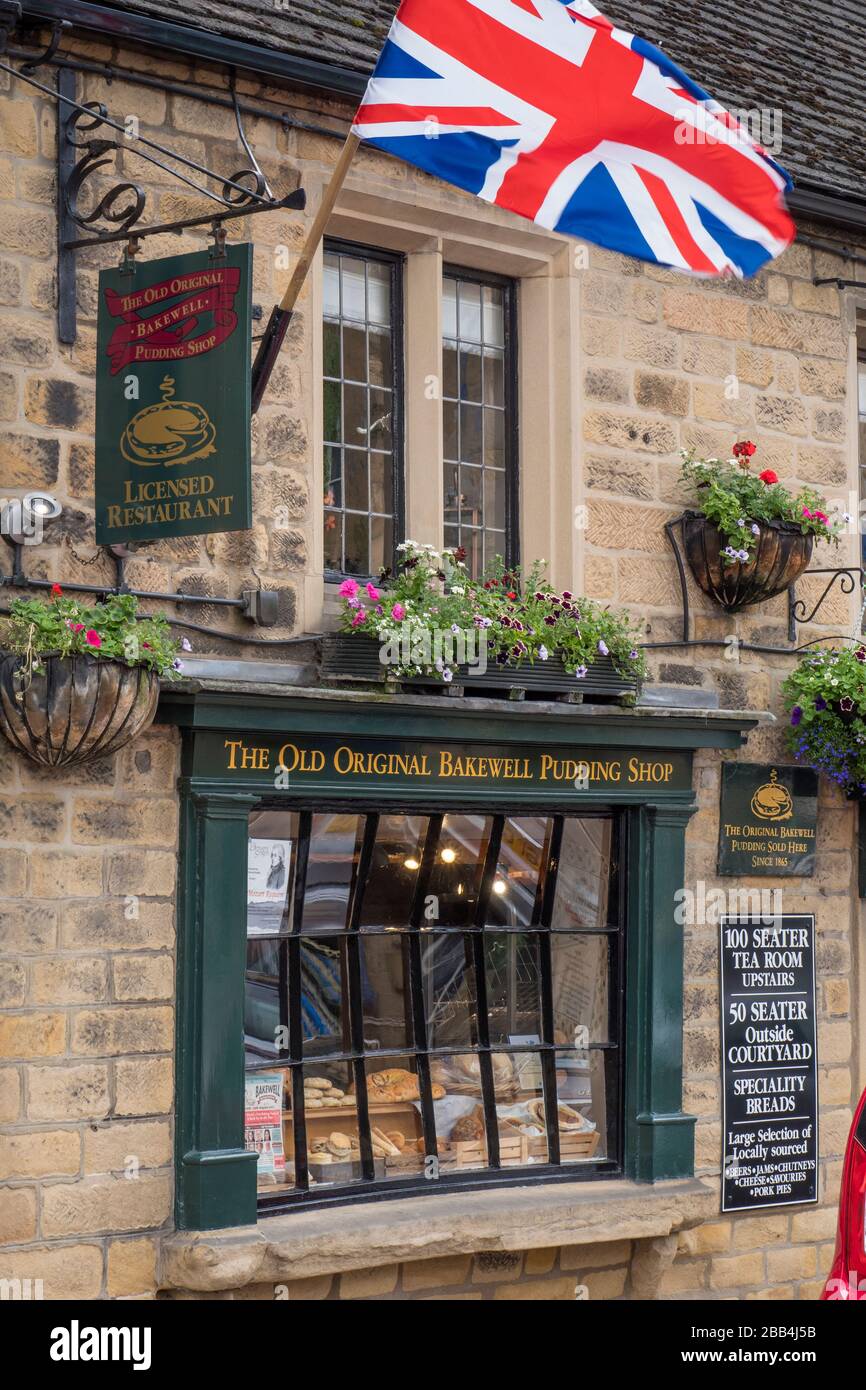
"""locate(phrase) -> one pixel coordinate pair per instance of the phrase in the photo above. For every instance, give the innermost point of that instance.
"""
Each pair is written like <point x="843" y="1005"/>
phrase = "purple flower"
<point x="796" y="716"/>
<point x="756" y="530"/>
<point x="633" y="654"/>
<point x="543" y="653"/>
<point x="580" y="672"/>
<point x="447" y="675"/>
<point x="820" y="703"/>
<point x="846" y="704"/>
<point x="186" y="644"/>
<point x="550" y="620"/>
<point x="177" y="664"/>
<point x="603" y="648"/>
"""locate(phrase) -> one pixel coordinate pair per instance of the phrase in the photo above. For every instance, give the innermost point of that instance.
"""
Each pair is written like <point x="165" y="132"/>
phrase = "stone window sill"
<point x="302" y="1245"/>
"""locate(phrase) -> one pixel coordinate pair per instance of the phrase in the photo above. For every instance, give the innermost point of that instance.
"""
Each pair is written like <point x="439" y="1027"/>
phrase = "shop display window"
<point x="431" y="997"/>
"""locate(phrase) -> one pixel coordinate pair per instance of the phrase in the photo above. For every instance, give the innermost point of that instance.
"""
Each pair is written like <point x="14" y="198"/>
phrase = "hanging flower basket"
<point x="749" y="538"/>
<point x="780" y="555"/>
<point x="78" y="683"/>
<point x="825" y="696"/>
<point x="77" y="709"/>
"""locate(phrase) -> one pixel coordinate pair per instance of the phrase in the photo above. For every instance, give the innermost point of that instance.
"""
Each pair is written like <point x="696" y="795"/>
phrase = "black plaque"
<point x="769" y="1062"/>
<point x="768" y="820"/>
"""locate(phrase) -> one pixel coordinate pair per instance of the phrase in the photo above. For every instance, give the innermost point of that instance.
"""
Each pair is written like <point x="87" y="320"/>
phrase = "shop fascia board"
<point x="272" y="708"/>
<point x="306" y="1244"/>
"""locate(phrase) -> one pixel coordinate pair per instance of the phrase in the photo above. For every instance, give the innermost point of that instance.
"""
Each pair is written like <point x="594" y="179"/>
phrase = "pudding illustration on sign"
<point x="168" y="433"/>
<point x="772" y="801"/>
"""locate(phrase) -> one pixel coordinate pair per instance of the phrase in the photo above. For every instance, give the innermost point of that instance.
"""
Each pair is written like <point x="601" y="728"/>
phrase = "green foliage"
<point x="825" y="696"/>
<point x="739" y="499"/>
<point x="109" y="631"/>
<point x="521" y="618"/>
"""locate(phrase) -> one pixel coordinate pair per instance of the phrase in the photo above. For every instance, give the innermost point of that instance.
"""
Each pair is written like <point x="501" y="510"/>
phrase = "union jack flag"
<point x="547" y="109"/>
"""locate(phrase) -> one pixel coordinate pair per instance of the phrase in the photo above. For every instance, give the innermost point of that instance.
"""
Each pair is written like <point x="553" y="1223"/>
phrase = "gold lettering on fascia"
<point x="443" y="764"/>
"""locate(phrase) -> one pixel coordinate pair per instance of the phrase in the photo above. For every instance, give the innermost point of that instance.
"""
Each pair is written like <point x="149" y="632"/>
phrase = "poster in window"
<point x="268" y="873"/>
<point x="263" y="1124"/>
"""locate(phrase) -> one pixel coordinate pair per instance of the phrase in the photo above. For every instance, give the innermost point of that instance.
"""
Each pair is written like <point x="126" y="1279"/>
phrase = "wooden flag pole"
<point x="281" y="314"/>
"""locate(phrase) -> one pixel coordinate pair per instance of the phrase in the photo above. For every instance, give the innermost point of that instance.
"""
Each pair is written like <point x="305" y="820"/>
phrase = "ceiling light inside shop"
<point x="449" y="855"/>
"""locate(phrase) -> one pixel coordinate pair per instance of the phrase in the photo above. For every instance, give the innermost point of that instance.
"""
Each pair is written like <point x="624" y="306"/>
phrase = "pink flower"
<point x="92" y="638"/>
<point x="807" y="514"/>
<point x="819" y="516"/>
<point x="373" y="593"/>
<point x="398" y="612"/>
<point x="348" y="588"/>
<point x="359" y="617"/>
<point x="75" y="627"/>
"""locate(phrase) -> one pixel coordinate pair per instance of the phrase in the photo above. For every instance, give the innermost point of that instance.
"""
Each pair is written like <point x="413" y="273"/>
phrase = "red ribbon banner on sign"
<point x="164" y="336"/>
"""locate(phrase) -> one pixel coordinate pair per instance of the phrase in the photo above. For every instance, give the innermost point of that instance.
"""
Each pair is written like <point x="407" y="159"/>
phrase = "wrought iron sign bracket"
<point x="849" y="579"/>
<point x="90" y="140"/>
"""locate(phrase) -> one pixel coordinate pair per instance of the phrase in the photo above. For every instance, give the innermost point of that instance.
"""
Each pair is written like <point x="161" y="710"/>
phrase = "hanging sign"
<point x="769" y="1062"/>
<point x="173" y="398"/>
<point x="768" y="820"/>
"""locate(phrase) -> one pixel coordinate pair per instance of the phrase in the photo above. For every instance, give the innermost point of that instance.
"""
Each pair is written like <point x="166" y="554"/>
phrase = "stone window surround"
<point x="545" y="267"/>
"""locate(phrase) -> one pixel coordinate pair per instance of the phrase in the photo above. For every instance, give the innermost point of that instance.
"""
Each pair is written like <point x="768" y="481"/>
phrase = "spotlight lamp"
<point x="22" y="519"/>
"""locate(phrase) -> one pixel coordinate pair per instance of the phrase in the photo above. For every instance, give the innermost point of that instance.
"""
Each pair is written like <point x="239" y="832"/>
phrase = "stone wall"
<point x="88" y="863"/>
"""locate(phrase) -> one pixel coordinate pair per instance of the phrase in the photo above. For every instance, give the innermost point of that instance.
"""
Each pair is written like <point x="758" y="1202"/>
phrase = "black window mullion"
<point x="548" y="1056"/>
<point x="294" y="987"/>
<point x="356" y="1004"/>
<point x="485" y="1062"/>
<point x="416" y="985"/>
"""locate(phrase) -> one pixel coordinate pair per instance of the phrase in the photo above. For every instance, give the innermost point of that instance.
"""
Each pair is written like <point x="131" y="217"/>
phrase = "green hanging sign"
<point x="173" y="397"/>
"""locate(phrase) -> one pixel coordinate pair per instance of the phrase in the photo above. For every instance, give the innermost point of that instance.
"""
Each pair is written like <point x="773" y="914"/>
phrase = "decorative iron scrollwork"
<point x="112" y="208"/>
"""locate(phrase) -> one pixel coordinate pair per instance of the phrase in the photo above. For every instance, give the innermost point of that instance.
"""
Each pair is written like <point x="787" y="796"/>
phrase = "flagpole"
<point x="281" y="314"/>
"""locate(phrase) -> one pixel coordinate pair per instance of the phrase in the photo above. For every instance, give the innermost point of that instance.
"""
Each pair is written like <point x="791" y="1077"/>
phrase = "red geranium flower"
<point x="56" y="591"/>
<point x="745" y="449"/>
<point x="768" y="476"/>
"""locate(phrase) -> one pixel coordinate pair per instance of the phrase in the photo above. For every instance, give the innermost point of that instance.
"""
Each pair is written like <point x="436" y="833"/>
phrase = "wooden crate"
<point x="572" y="1145"/>
<point x="472" y="1153"/>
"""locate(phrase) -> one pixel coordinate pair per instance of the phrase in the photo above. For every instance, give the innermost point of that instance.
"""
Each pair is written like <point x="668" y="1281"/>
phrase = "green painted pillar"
<point x="216" y="1175"/>
<point x="659" y="1137"/>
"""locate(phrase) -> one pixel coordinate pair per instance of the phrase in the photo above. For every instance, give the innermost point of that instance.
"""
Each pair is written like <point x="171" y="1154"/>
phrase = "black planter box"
<point x="356" y="659"/>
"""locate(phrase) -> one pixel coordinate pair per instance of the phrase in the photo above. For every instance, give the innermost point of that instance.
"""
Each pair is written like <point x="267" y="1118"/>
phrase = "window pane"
<point x="381" y="366"/>
<point x="494" y="498"/>
<point x="583" y="882"/>
<point x="460" y="1112"/>
<point x="331" y="285"/>
<point x="379" y="292"/>
<point x="333" y="523"/>
<point x="381" y="543"/>
<point x="586" y="1087"/>
<point x="494" y="378"/>
<point x="360" y="411"/>
<point x="451" y="447"/>
<point x="457" y="869"/>
<point x="470" y="434"/>
<point x="357" y="542"/>
<point x="391" y="884"/>
<point x="494" y="318"/>
<point x="322" y="998"/>
<point x="523" y="851"/>
<point x="271" y="862"/>
<point x="334" y="844"/>
<point x="333" y="494"/>
<point x="262" y="1018"/>
<point x="333" y="413"/>
<point x="381" y="408"/>
<point x="469" y="320"/>
<point x="357" y="495"/>
<point x="449" y="369"/>
<point x="581" y="969"/>
<point x="385" y="993"/>
<point x="450" y="1004"/>
<point x="331" y="1119"/>
<point x="331" y="359"/>
<point x="265" y="1117"/>
<point x="381" y="484"/>
<point x="354" y="354"/>
<point x="494" y="438"/>
<point x="354" y="295"/>
<point x="513" y="972"/>
<point x="449" y="308"/>
<point x="470" y="374"/>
